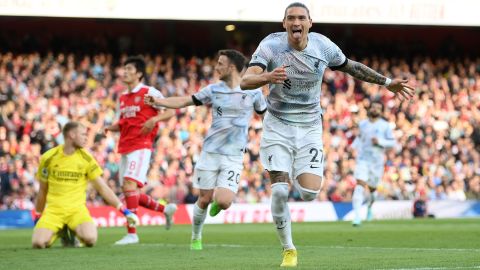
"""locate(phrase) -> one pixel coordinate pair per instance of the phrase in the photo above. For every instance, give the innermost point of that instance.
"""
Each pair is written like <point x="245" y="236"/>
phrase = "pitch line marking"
<point x="323" y="247"/>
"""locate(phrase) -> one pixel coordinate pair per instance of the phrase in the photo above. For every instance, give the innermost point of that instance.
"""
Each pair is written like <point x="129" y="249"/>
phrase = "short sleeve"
<point x="204" y="96"/>
<point x="93" y="170"/>
<point x="152" y="91"/>
<point x="260" y="104"/>
<point x="262" y="55"/>
<point x="389" y="133"/>
<point x="42" y="172"/>
<point x="335" y="57"/>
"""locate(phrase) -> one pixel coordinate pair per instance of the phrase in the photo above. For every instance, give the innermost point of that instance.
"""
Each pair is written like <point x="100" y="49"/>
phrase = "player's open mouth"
<point x="297" y="33"/>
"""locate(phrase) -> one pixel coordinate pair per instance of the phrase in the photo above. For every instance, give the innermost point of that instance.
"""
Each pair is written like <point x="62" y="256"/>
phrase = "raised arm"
<point x="360" y="71"/>
<point x="171" y="102"/>
<point x="255" y="77"/>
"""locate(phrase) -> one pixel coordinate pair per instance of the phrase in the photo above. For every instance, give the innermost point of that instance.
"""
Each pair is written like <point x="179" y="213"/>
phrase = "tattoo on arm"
<point x="362" y="72"/>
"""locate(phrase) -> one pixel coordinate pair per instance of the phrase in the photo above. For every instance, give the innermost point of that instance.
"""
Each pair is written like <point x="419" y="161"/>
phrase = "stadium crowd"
<point x="438" y="131"/>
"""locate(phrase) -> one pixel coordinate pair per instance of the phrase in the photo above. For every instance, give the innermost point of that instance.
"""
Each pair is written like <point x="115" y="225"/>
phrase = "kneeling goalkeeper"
<point x="64" y="172"/>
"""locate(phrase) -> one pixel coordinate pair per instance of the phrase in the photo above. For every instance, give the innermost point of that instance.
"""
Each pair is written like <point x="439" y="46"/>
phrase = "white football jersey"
<point x="297" y="100"/>
<point x="232" y="110"/>
<point x="379" y="129"/>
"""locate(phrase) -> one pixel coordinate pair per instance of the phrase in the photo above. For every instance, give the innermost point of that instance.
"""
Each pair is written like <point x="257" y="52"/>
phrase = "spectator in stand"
<point x="437" y="130"/>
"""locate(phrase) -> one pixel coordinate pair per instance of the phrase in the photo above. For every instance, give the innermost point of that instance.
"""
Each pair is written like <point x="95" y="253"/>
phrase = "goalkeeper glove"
<point x="132" y="219"/>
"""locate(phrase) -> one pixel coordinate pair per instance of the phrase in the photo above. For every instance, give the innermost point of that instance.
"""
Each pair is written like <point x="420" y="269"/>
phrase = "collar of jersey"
<point x="224" y="84"/>
<point x="137" y="88"/>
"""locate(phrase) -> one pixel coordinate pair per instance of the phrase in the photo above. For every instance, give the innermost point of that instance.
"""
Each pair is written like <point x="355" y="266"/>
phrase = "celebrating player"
<point x="293" y="63"/>
<point x="221" y="161"/>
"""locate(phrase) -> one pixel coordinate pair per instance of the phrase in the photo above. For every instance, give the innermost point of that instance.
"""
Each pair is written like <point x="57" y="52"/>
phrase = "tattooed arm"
<point x="363" y="73"/>
<point x="359" y="71"/>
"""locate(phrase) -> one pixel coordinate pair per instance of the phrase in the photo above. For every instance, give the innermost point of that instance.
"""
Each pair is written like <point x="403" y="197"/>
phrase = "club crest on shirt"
<point x="137" y="99"/>
<point x="44" y="172"/>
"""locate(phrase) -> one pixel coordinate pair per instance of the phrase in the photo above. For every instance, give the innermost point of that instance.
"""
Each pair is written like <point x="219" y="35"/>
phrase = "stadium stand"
<point x="46" y="82"/>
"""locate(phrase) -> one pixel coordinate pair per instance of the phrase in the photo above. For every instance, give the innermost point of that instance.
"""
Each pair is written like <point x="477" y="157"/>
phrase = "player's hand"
<point x="148" y="126"/>
<point x="278" y="75"/>
<point x="149" y="100"/>
<point x="132" y="219"/>
<point x="401" y="89"/>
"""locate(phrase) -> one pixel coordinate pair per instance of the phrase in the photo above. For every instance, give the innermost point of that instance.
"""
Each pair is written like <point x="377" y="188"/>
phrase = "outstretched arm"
<point x="171" y="102"/>
<point x="255" y="77"/>
<point x="359" y="71"/>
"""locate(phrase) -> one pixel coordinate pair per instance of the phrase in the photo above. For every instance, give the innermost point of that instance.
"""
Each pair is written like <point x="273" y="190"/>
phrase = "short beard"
<point x="373" y="115"/>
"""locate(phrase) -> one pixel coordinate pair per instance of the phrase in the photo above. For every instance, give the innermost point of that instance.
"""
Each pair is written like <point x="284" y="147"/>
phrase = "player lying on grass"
<point x="64" y="173"/>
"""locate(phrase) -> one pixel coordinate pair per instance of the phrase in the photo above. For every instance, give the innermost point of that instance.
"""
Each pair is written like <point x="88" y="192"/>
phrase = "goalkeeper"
<point x="64" y="172"/>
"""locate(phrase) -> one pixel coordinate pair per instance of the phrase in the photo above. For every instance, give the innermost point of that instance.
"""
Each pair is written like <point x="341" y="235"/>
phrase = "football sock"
<point x="372" y="198"/>
<point x="132" y="198"/>
<point x="199" y="216"/>
<point x="281" y="214"/>
<point x="148" y="202"/>
<point x="357" y="200"/>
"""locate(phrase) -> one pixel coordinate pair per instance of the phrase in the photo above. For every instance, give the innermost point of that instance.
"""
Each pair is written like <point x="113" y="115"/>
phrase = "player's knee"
<point x="89" y="241"/>
<point x="204" y="201"/>
<point x="307" y="194"/>
<point x="224" y="204"/>
<point x="279" y="177"/>
<point x="280" y="191"/>
<point x="129" y="185"/>
<point x="39" y="244"/>
<point x="362" y="183"/>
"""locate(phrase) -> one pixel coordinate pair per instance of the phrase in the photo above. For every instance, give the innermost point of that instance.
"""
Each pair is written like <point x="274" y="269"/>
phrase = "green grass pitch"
<point x="393" y="245"/>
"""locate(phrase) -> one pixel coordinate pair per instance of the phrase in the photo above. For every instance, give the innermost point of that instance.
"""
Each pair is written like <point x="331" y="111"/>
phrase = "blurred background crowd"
<point x="437" y="132"/>
<point x="46" y="82"/>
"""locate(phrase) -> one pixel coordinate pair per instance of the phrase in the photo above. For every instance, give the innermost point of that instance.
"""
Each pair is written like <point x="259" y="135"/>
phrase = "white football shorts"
<point x="134" y="166"/>
<point x="291" y="149"/>
<point x="369" y="172"/>
<point x="216" y="170"/>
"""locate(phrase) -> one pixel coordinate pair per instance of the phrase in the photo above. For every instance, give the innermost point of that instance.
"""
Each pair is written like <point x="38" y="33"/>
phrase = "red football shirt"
<point x="133" y="114"/>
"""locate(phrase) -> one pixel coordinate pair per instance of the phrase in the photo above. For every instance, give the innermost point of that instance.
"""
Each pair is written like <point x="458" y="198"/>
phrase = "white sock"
<point x="357" y="200"/>
<point x="281" y="214"/>
<point x="199" y="216"/>
<point x="372" y="198"/>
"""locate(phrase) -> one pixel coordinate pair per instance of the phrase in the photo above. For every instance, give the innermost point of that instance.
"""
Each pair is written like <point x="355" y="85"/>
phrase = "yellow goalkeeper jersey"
<point x="67" y="176"/>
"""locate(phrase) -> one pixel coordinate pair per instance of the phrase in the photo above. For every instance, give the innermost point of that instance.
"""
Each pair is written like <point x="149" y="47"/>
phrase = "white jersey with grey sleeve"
<point x="232" y="110"/>
<point x="366" y="150"/>
<point x="297" y="100"/>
